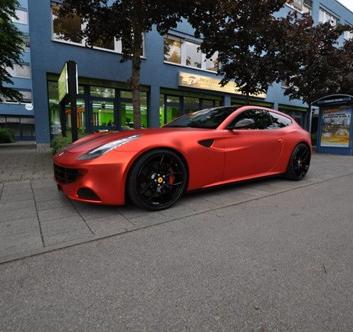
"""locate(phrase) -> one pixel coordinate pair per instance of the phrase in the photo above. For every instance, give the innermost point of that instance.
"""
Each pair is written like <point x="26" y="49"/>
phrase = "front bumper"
<point x="100" y="181"/>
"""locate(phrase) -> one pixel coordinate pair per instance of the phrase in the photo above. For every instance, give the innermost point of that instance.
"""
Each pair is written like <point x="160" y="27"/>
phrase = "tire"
<point x="157" y="180"/>
<point x="299" y="163"/>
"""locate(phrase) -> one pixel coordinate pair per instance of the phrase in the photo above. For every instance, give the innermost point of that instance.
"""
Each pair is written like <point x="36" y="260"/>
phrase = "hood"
<point x="95" y="140"/>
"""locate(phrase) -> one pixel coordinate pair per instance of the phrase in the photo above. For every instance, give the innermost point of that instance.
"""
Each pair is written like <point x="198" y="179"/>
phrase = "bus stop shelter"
<point x="335" y="130"/>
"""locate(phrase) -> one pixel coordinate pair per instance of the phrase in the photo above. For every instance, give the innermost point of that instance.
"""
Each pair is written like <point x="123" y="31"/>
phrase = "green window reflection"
<point x="127" y="111"/>
<point x="103" y="115"/>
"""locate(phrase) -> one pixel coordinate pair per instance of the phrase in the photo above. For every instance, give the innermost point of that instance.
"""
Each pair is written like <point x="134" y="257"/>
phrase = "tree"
<point x="346" y="65"/>
<point x="244" y="34"/>
<point x="126" y="20"/>
<point x="310" y="60"/>
<point x="11" y="47"/>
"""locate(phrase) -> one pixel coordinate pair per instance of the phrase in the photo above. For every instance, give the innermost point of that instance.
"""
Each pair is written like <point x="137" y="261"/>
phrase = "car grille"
<point x="65" y="175"/>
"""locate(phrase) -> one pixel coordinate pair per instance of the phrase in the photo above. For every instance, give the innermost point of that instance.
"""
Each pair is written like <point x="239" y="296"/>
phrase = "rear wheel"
<point x="157" y="180"/>
<point x="299" y="162"/>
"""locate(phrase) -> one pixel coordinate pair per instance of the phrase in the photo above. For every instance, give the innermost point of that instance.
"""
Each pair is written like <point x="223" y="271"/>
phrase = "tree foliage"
<point x="11" y="47"/>
<point x="346" y="65"/>
<point x="257" y="48"/>
<point x="243" y="32"/>
<point x="126" y="20"/>
<point x="311" y="61"/>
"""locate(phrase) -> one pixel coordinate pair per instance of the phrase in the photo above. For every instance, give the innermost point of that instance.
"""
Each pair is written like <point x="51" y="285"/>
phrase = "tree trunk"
<point x="248" y="98"/>
<point x="135" y="79"/>
<point x="308" y="119"/>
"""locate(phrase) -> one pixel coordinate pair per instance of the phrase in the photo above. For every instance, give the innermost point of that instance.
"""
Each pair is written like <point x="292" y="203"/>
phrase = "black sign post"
<point x="72" y="85"/>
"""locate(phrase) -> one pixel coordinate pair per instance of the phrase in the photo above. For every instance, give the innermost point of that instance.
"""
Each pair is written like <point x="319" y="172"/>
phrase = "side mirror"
<point x="244" y="124"/>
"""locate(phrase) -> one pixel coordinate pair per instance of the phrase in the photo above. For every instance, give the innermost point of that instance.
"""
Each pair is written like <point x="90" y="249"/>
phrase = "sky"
<point x="347" y="3"/>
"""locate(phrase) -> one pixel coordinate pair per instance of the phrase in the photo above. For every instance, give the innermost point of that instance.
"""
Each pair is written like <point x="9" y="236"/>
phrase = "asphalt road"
<point x="279" y="263"/>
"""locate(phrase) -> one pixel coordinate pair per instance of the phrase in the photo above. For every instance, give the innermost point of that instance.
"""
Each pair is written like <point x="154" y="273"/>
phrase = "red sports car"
<point x="154" y="167"/>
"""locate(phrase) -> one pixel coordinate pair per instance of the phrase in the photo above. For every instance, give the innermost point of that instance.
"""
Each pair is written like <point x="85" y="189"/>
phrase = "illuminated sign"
<point x="336" y="127"/>
<point x="63" y="84"/>
<point x="208" y="83"/>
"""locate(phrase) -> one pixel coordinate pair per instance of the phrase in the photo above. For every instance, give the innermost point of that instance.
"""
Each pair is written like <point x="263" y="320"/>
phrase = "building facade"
<point x="175" y="77"/>
<point x="20" y="116"/>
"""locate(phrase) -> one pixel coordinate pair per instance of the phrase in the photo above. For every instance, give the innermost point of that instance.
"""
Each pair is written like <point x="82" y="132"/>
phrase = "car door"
<point x="254" y="149"/>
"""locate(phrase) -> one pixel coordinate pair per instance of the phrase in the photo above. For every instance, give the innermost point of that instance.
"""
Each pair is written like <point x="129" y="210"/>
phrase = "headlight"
<point x="97" y="152"/>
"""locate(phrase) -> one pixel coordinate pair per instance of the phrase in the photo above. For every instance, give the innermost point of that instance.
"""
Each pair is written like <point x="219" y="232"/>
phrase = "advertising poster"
<point x="336" y="125"/>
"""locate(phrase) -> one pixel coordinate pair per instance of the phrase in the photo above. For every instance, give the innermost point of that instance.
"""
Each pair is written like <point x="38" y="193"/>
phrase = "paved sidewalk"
<point x="24" y="164"/>
<point x="277" y="263"/>
<point x="35" y="217"/>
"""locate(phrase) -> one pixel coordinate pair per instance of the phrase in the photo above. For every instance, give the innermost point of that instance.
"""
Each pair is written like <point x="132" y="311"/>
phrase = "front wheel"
<point x="157" y="180"/>
<point x="299" y="162"/>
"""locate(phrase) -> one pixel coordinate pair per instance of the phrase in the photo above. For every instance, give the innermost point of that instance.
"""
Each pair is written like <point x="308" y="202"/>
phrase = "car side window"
<point x="259" y="119"/>
<point x="279" y="121"/>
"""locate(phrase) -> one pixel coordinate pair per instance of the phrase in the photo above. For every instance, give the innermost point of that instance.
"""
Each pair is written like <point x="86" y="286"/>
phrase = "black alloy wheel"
<point x="157" y="180"/>
<point x="299" y="162"/>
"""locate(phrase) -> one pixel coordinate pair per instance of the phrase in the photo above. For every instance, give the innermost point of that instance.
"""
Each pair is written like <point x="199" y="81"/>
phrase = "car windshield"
<point x="209" y="118"/>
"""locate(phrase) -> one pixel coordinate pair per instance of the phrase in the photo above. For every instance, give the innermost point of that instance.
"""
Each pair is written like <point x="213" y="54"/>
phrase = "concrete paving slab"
<point x="47" y="195"/>
<point x="62" y="203"/>
<point x="15" y="214"/>
<point x="57" y="213"/>
<point x="18" y="227"/>
<point x="106" y="226"/>
<point x="13" y="197"/>
<point x="64" y="225"/>
<point x="15" y="204"/>
<point x="66" y="237"/>
<point x="91" y="212"/>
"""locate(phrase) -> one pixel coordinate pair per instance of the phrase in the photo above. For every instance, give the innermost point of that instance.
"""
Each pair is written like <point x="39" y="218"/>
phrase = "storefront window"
<point x="55" y="109"/>
<point x="23" y="127"/>
<point x="170" y="110"/>
<point x="127" y="112"/>
<point x="126" y="94"/>
<point x="207" y="103"/>
<point x="172" y="107"/>
<point x="172" y="50"/>
<point x="127" y="115"/>
<point x="191" y="104"/>
<point x="102" y="115"/>
<point x="102" y="92"/>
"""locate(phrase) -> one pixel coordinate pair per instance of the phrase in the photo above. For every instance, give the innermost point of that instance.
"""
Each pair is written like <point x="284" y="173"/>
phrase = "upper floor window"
<point x="26" y="97"/>
<point x="20" y="71"/>
<point x="68" y="29"/>
<point x="22" y="16"/>
<point x="327" y="17"/>
<point x="304" y="6"/>
<point x="348" y="35"/>
<point x="26" y="43"/>
<point x="187" y="53"/>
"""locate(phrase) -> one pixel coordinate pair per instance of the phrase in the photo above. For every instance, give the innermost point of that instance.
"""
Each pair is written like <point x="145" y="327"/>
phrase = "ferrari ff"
<point x="211" y="147"/>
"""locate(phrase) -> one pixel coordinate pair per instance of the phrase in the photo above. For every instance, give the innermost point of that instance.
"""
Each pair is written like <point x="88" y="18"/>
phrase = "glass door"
<point x="102" y="115"/>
